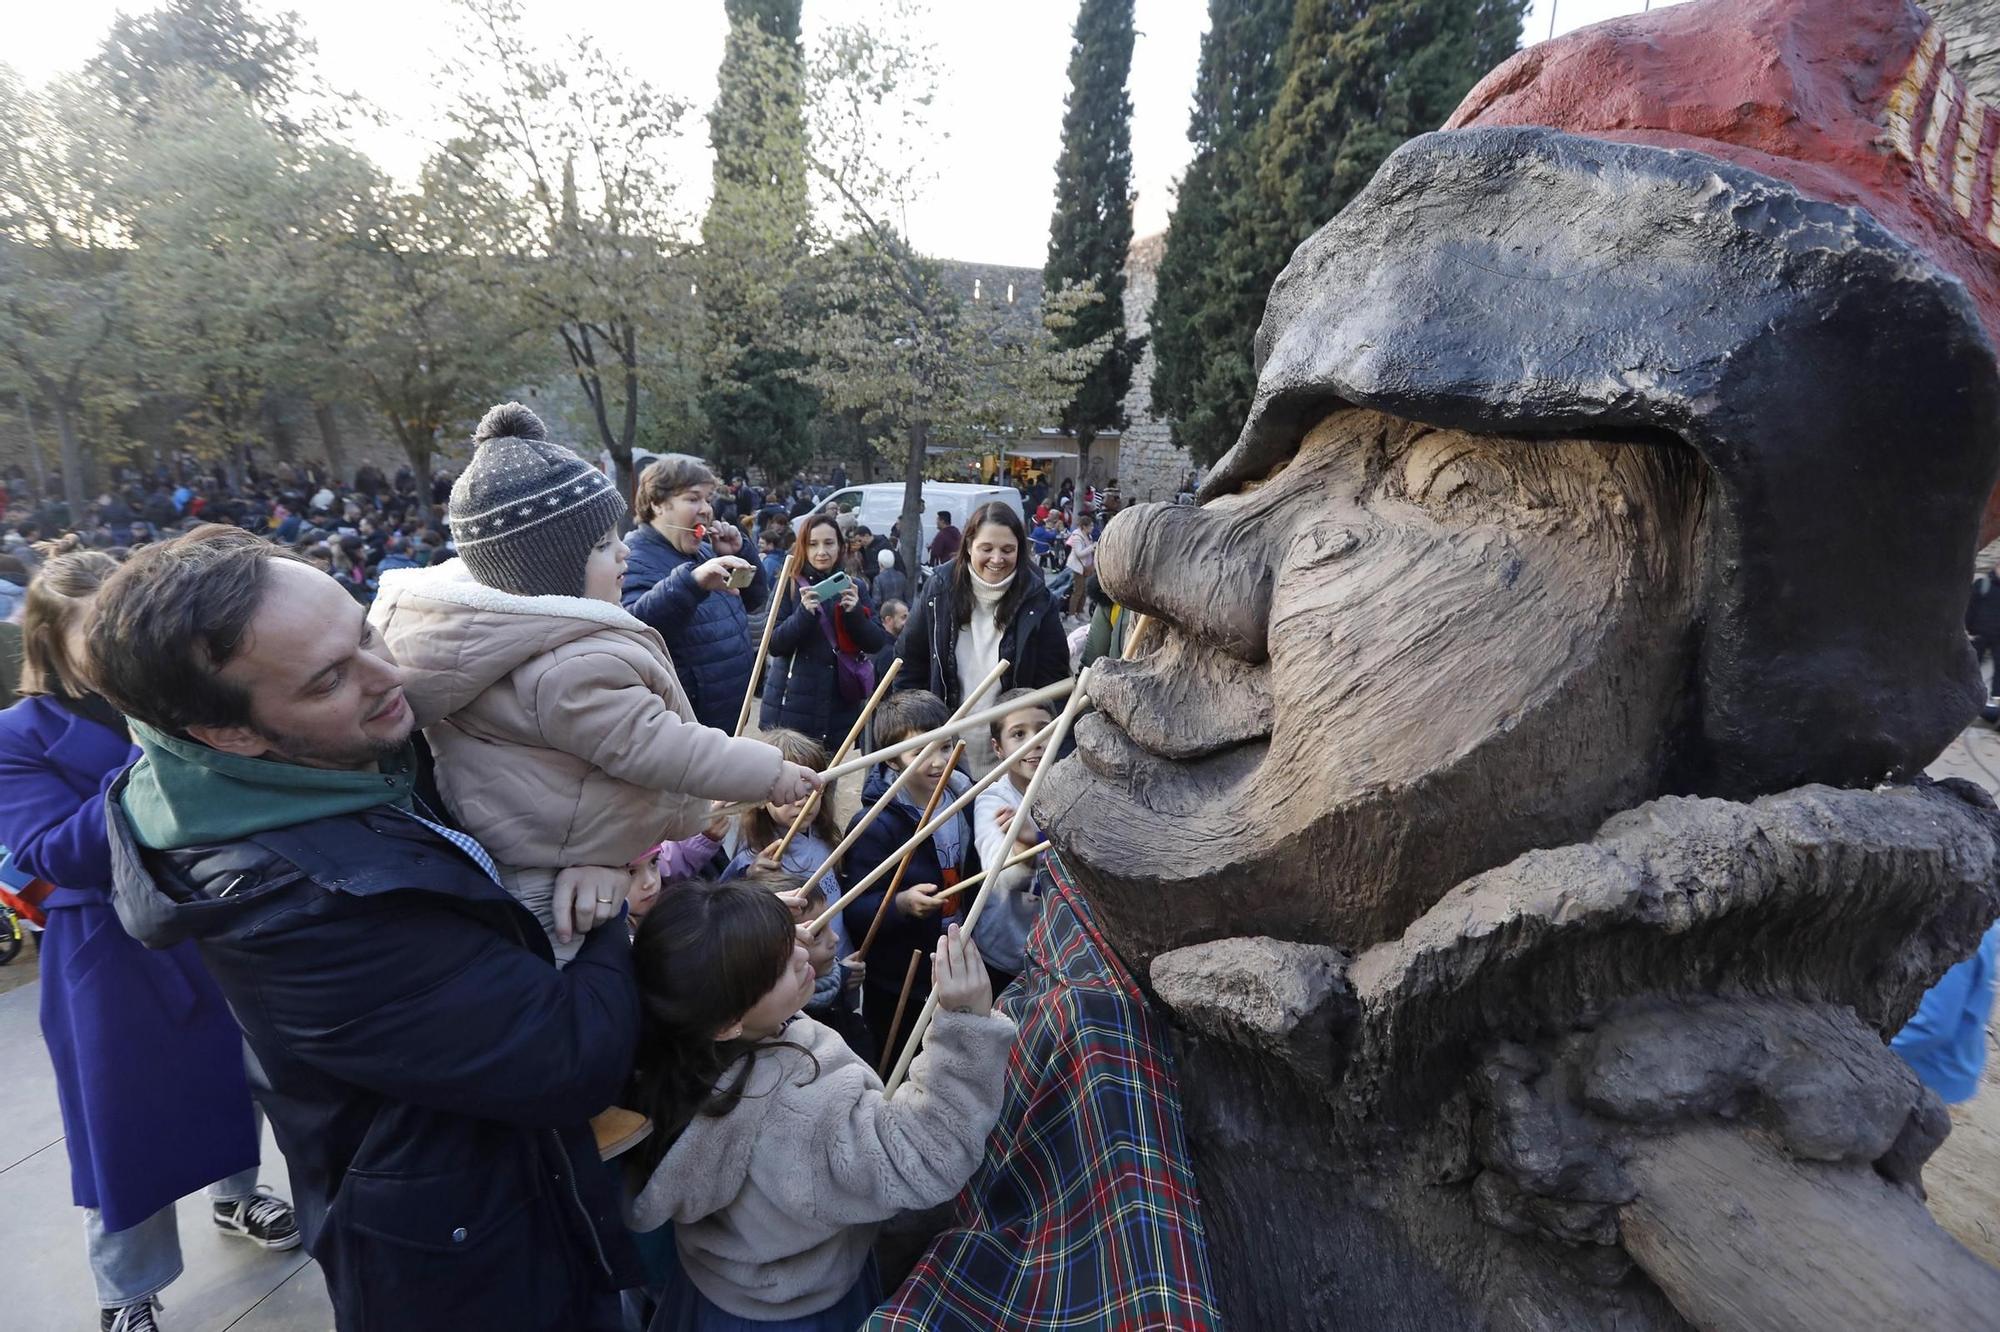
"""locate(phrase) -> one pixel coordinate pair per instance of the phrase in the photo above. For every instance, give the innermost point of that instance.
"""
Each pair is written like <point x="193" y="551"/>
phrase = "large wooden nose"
<point x="1206" y="571"/>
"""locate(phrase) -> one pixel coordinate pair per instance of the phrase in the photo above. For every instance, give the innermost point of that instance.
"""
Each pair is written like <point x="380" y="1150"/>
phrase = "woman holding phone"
<point x="821" y="670"/>
<point x="686" y="577"/>
<point x="987" y="605"/>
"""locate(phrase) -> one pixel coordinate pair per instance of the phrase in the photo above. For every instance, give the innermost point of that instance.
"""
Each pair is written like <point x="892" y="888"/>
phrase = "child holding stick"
<point x="914" y="918"/>
<point x="1013" y="902"/>
<point x="778" y="1156"/>
<point x="836" y="998"/>
<point x="562" y="735"/>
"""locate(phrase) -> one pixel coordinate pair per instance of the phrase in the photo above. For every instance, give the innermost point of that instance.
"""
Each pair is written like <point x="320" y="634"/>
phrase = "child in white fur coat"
<point x="778" y="1155"/>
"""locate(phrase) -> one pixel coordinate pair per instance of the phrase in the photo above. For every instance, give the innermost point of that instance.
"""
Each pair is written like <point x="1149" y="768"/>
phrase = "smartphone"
<point x="830" y="591"/>
<point x="742" y="578"/>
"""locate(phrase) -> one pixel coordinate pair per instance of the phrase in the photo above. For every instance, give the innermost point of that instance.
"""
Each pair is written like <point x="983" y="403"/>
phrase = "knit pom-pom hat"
<point x="526" y="512"/>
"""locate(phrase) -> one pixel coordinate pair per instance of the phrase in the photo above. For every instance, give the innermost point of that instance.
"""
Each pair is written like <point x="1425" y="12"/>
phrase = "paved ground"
<point x="228" y="1283"/>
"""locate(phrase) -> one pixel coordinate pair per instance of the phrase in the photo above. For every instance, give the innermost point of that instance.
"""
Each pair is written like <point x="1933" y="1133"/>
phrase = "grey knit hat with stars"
<point x="526" y="512"/>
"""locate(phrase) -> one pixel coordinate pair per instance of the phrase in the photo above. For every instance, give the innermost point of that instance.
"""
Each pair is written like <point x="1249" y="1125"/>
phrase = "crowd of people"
<point x="451" y="812"/>
<point x="388" y="521"/>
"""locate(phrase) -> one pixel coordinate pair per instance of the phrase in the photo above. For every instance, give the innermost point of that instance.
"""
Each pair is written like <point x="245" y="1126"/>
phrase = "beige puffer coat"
<point x="561" y="733"/>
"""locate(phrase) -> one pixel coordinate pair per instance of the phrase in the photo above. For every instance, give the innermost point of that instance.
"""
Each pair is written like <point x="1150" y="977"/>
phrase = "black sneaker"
<point x="131" y="1318"/>
<point x="263" y="1218"/>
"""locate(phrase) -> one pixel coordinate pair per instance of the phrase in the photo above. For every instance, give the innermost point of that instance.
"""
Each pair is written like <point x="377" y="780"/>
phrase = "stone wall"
<point x="1149" y="466"/>
<point x="1972" y="42"/>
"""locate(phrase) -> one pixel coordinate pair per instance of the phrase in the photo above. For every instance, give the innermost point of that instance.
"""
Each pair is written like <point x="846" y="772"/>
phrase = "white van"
<point x="880" y="507"/>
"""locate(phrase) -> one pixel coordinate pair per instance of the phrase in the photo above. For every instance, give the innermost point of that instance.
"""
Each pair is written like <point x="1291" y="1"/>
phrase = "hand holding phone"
<point x="742" y="578"/>
<point x="830" y="590"/>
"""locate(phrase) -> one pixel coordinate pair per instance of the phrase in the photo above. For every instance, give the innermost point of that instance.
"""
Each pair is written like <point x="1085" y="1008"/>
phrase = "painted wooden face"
<point x="1407" y="655"/>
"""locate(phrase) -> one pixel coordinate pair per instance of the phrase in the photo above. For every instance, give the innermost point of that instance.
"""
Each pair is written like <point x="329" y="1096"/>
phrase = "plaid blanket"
<point x="1084" y="1213"/>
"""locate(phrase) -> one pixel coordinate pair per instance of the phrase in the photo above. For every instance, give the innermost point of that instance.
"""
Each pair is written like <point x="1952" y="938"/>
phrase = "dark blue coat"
<point x="1033" y="643"/>
<point x="707" y="633"/>
<point x="901" y="935"/>
<point x="427" y="1071"/>
<point x="145" y="1051"/>
<point x="801" y="690"/>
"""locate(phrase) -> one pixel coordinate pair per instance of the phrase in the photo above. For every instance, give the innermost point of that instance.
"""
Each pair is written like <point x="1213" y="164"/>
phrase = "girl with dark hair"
<point x="986" y="606"/>
<point x="148" y="1059"/>
<point x="822" y="668"/>
<point x="777" y="1155"/>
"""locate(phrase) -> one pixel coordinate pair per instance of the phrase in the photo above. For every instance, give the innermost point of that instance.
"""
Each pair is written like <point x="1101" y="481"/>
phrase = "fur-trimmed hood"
<point x="454" y="637"/>
<point x="561" y="731"/>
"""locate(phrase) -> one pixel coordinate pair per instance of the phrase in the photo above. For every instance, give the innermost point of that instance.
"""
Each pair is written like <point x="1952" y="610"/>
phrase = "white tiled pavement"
<point x="44" y="1279"/>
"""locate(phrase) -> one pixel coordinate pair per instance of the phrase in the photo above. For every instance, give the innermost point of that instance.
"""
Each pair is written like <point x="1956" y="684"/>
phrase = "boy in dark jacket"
<point x="915" y="918"/>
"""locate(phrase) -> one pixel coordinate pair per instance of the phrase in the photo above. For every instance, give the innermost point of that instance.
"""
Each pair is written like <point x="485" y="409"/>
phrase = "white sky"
<point x="999" y="119"/>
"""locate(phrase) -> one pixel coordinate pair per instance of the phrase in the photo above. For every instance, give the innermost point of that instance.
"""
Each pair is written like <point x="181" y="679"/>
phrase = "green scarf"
<point x="181" y="793"/>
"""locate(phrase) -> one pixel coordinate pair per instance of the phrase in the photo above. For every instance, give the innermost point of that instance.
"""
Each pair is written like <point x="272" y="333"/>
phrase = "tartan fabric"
<point x="1084" y="1213"/>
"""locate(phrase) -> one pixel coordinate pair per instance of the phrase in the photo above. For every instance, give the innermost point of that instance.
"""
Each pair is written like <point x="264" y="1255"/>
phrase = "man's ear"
<point x="238" y="740"/>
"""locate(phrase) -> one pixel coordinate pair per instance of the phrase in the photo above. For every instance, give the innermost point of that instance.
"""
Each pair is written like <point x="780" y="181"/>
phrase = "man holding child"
<point x="427" y="1071"/>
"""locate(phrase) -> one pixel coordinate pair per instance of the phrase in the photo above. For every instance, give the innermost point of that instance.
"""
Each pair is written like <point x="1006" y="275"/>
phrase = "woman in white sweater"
<point x="779" y="1156"/>
<point x="986" y="606"/>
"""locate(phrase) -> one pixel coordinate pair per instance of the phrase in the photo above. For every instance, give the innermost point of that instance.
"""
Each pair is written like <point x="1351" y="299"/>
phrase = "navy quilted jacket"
<point x="707" y="633"/>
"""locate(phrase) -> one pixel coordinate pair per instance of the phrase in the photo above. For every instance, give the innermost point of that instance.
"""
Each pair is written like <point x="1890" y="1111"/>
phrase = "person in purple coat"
<point x="149" y="1063"/>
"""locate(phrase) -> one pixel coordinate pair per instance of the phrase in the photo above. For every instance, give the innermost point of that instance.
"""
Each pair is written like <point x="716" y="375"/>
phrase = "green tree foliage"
<point x="1092" y="227"/>
<point x="64" y="300"/>
<point x="156" y="55"/>
<point x="1359" y="77"/>
<point x="421" y="327"/>
<point x="582" y="228"/>
<point x="753" y="239"/>
<point x="886" y="339"/>
<point x="236" y="229"/>
<point x="1207" y="309"/>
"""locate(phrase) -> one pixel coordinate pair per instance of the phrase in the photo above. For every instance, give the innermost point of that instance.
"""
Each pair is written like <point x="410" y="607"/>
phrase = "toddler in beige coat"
<point x="561" y="733"/>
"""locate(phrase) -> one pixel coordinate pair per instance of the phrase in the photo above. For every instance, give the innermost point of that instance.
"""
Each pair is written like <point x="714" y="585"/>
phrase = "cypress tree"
<point x="753" y="237"/>
<point x="1092" y="227"/>
<point x="1205" y="314"/>
<point x="1362" y="76"/>
<point x="1358" y="77"/>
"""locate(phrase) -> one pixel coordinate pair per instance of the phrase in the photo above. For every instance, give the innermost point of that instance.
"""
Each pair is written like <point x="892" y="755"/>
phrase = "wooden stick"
<point x="956" y="726"/>
<point x="813" y="802"/>
<point x="896" y="1022"/>
<point x="874" y="811"/>
<point x="1061" y="725"/>
<point x="1018" y="858"/>
<point x="909" y="852"/>
<point x="1135" y="637"/>
<point x="777" y="604"/>
<point x="970" y="794"/>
